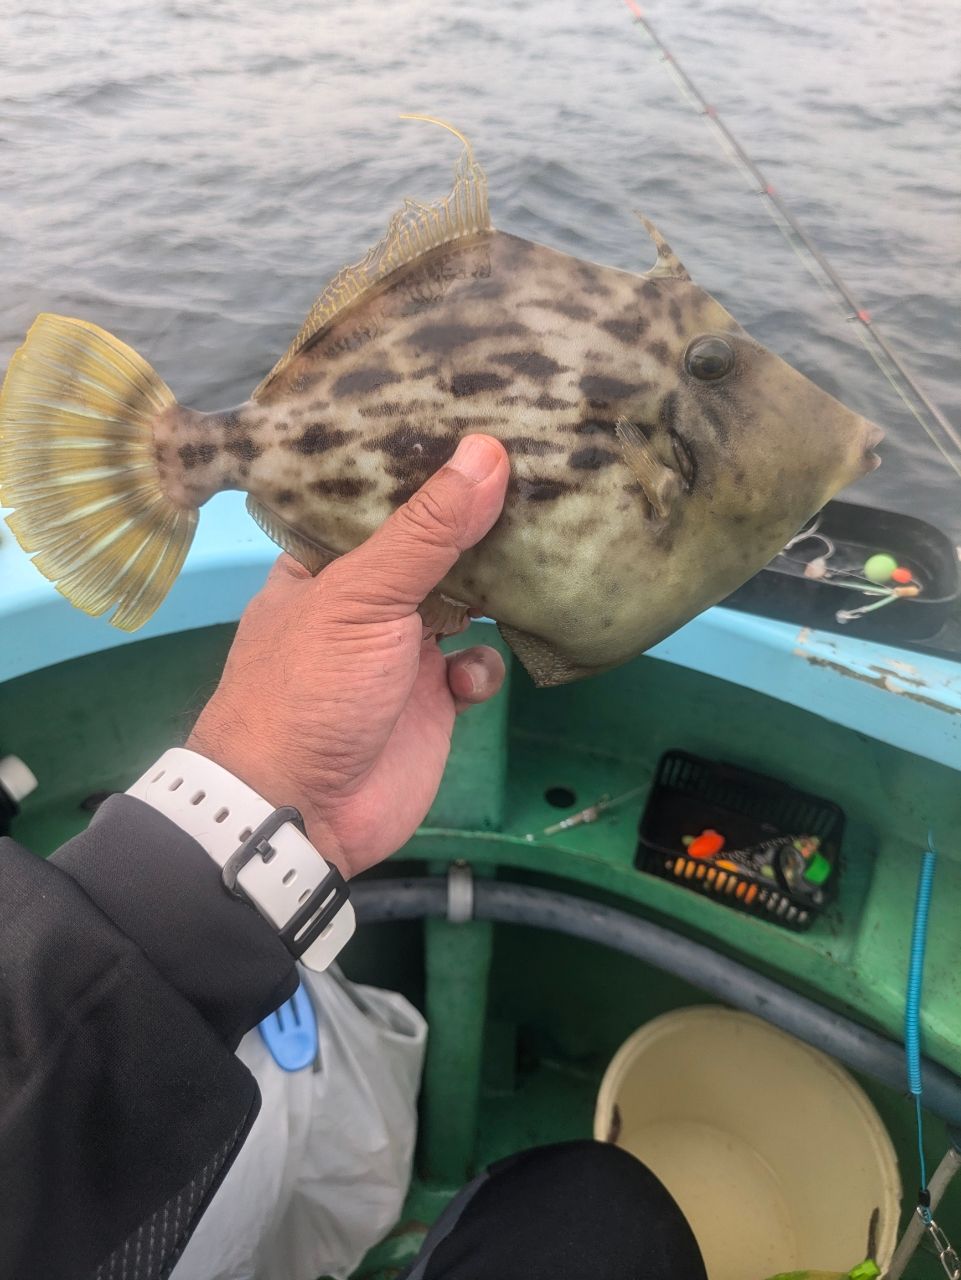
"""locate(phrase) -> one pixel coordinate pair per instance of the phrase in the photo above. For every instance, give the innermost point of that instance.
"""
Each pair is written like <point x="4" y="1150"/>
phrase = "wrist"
<point x="248" y="761"/>
<point x="262" y="849"/>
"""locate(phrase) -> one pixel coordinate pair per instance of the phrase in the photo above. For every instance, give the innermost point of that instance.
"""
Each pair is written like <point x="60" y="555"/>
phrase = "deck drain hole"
<point x="560" y="797"/>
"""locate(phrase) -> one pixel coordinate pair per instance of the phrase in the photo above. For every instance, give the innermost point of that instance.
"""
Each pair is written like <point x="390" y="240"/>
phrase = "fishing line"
<point x="918" y="403"/>
<point x="912" y="1007"/>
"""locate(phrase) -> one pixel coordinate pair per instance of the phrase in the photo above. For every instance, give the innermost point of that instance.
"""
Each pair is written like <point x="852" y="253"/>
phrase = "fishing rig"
<point x="932" y="420"/>
<point x="881" y="576"/>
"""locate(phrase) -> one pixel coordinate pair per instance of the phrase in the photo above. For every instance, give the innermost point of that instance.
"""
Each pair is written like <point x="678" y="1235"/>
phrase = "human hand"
<point x="332" y="700"/>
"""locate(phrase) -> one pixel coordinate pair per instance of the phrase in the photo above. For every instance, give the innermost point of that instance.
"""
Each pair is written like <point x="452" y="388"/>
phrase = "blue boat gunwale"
<point x="906" y="699"/>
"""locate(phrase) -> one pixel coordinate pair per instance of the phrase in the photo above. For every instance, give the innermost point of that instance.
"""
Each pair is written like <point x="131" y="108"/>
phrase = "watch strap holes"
<point x="158" y="776"/>
<point x="221" y="815"/>
<point x="177" y="782"/>
<point x="290" y="876"/>
<point x="198" y="796"/>
<point x="303" y="897"/>
<point x="246" y="834"/>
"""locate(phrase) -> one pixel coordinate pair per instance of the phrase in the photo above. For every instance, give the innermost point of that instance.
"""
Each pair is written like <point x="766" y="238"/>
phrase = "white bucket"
<point x="772" y="1150"/>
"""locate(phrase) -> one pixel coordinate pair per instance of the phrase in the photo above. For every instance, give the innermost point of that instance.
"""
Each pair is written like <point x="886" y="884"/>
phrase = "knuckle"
<point x="432" y="516"/>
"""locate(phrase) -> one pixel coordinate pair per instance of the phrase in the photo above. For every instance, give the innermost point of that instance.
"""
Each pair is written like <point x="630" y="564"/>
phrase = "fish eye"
<point x="709" y="359"/>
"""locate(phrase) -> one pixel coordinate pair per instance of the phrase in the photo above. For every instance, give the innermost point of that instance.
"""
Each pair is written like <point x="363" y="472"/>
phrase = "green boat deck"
<point x="523" y="1022"/>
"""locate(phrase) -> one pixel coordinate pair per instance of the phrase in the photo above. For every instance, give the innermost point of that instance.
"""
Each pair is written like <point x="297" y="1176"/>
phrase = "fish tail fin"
<point x="78" y="467"/>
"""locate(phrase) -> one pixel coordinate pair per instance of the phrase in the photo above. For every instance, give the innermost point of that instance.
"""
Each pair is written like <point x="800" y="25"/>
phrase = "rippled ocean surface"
<point x="190" y="173"/>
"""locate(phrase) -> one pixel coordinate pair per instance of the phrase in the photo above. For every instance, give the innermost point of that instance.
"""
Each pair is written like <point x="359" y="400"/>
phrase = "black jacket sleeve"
<point x="127" y="978"/>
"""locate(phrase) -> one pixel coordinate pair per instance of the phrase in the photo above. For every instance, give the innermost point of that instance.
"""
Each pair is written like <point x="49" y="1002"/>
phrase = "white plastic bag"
<point x="325" y="1168"/>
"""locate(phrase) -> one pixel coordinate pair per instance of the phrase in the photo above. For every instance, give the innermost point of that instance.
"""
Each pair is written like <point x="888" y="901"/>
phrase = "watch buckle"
<point x="310" y="919"/>
<point x="258" y="844"/>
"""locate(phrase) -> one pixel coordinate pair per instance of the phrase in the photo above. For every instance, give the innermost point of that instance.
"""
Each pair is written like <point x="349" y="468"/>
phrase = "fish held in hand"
<point x="659" y="455"/>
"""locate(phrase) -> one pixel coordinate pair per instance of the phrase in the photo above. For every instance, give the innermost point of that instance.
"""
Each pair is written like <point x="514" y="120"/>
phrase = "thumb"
<point x="390" y="574"/>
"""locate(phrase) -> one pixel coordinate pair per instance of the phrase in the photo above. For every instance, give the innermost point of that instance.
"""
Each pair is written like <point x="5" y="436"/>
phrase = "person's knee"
<point x="606" y="1198"/>
<point x="571" y="1165"/>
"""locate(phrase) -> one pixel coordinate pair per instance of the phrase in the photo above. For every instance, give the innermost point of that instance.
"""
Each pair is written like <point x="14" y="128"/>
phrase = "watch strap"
<point x="279" y="878"/>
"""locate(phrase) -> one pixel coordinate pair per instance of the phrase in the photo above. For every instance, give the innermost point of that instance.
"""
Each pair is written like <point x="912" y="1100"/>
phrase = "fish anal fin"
<point x="659" y="482"/>
<point x="310" y="554"/>
<point x="542" y="662"/>
<point x="413" y="231"/>
<point x="443" y="616"/>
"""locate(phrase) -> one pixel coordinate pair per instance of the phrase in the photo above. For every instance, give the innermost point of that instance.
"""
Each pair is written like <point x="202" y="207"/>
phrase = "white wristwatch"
<point x="263" y="853"/>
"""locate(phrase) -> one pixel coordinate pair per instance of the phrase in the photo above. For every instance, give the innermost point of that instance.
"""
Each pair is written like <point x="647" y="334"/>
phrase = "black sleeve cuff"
<point x="163" y="891"/>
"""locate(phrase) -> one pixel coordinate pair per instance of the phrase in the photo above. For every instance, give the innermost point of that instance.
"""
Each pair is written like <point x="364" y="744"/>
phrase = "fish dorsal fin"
<point x="660" y="483"/>
<point x="413" y="230"/>
<point x="310" y="554"/>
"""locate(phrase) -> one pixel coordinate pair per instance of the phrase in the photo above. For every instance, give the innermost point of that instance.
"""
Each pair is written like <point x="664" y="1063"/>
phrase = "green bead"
<point x="880" y="567"/>
<point x="865" y="1270"/>
<point x="818" y="869"/>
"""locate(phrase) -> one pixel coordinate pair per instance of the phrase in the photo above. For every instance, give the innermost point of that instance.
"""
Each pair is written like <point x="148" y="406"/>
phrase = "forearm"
<point x="129" y="976"/>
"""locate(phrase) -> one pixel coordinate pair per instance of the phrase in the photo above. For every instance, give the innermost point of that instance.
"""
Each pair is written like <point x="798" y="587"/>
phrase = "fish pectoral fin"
<point x="659" y="482"/>
<point x="413" y="231"/>
<point x="310" y="554"/>
<point x="542" y="662"/>
<point x="443" y="616"/>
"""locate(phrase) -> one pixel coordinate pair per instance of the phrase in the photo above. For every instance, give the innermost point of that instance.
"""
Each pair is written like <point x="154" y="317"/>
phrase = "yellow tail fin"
<point x="77" y="466"/>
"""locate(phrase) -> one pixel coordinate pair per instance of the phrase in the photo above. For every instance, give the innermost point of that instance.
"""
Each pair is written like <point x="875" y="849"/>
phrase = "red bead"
<point x="706" y="844"/>
<point x="902" y="575"/>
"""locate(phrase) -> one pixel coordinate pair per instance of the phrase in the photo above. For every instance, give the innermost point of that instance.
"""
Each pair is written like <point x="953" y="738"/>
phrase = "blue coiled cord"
<point x="912" y="1009"/>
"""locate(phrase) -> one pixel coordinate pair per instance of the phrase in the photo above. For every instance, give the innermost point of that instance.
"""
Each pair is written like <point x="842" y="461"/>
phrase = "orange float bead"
<point x="706" y="844"/>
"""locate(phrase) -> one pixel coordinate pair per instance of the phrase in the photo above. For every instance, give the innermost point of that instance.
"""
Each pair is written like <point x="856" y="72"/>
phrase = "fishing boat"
<point x="518" y="918"/>
<point x="555" y="906"/>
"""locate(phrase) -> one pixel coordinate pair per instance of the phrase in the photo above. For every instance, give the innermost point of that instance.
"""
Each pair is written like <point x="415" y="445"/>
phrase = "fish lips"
<point x="870" y="461"/>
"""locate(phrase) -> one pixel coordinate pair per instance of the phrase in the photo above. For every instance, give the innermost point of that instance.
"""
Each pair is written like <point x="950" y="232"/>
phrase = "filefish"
<point x="659" y="455"/>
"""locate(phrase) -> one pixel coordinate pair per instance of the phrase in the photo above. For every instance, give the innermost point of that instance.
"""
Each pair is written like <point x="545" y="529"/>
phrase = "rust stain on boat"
<point x="884" y="681"/>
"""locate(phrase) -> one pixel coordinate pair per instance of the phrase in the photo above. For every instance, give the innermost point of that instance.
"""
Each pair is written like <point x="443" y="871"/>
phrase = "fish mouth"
<point x="870" y="461"/>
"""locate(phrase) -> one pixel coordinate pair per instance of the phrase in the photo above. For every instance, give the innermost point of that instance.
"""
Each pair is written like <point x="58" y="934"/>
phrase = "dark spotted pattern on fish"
<point x="388" y="409"/>
<point x="570" y="310"/>
<point x="340" y="487"/>
<point x="629" y="331"/>
<point x="548" y="354"/>
<point x="541" y="489"/>
<point x="318" y="438"/>
<point x="592" y="459"/>
<point x="475" y="384"/>
<point x="602" y="390"/>
<point x="443" y="339"/>
<point x="364" y="382"/>
<point x="462" y="424"/>
<point x="532" y="364"/>
<point x="595" y="427"/>
<point x="546" y="401"/>
<point x="529" y="445"/>
<point x="244" y="448"/>
<point x="411" y="455"/>
<point x="197" y="455"/>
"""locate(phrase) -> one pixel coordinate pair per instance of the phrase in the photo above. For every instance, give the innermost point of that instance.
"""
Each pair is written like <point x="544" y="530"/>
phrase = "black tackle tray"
<point x="781" y="590"/>
<point x="690" y="794"/>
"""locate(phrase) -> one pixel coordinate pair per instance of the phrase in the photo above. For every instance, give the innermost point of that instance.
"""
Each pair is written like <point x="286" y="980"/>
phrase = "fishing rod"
<point x="874" y="342"/>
